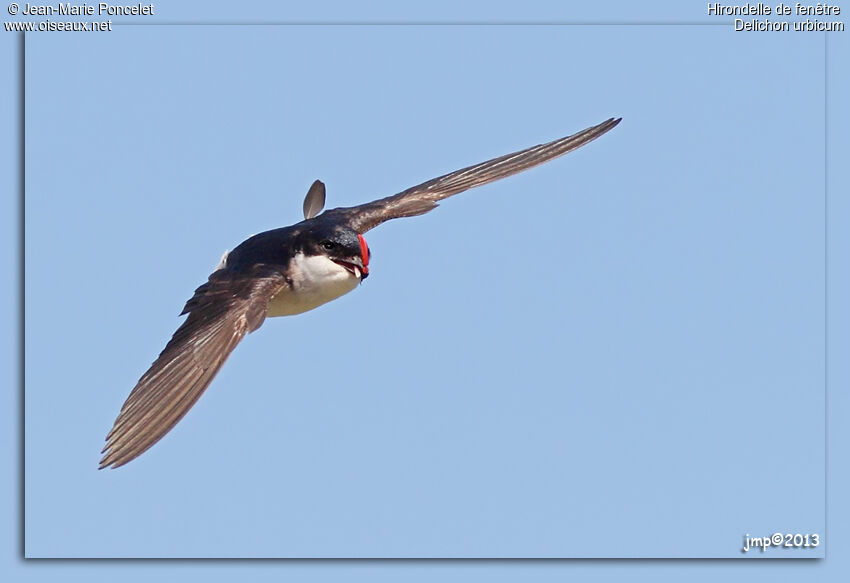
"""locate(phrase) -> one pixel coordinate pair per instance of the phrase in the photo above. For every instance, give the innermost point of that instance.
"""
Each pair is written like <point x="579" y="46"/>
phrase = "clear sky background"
<point x="618" y="354"/>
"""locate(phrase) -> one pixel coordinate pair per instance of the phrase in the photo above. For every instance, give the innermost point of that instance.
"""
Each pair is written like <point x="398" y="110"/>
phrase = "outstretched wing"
<point x="423" y="198"/>
<point x="222" y="311"/>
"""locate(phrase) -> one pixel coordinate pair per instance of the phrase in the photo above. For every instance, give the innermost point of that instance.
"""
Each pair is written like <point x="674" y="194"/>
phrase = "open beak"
<point x="355" y="266"/>
<point x="358" y="266"/>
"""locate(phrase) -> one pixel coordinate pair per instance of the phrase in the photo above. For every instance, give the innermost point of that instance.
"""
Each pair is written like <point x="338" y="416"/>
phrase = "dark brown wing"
<point x="423" y="198"/>
<point x="221" y="313"/>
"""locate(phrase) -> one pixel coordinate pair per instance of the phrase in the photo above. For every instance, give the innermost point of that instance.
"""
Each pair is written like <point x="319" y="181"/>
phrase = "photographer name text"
<point x="85" y="9"/>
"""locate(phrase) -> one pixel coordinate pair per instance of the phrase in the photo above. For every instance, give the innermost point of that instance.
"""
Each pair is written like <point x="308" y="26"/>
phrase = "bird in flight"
<point x="283" y="272"/>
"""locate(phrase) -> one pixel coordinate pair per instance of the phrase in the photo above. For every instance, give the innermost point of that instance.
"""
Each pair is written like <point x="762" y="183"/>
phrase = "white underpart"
<point x="315" y="281"/>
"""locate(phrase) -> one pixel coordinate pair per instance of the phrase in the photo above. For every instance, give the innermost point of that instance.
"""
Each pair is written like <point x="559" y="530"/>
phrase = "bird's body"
<point x="284" y="272"/>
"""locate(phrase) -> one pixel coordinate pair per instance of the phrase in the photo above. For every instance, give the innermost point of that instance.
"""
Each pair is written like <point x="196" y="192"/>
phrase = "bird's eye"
<point x="328" y="245"/>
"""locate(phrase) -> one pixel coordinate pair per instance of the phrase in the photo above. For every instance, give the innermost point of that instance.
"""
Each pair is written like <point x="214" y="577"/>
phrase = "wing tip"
<point x="105" y="462"/>
<point x="610" y="123"/>
<point x="113" y="459"/>
<point x="108" y="456"/>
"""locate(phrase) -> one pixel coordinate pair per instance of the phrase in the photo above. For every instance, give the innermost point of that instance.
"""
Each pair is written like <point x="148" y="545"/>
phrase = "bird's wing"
<point x="222" y="311"/>
<point x="315" y="200"/>
<point x="423" y="198"/>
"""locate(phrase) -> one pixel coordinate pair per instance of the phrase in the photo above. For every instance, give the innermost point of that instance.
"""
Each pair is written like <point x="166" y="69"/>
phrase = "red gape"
<point x="364" y="253"/>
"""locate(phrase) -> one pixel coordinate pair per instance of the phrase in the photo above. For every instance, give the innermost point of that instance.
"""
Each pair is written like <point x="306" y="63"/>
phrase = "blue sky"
<point x="618" y="354"/>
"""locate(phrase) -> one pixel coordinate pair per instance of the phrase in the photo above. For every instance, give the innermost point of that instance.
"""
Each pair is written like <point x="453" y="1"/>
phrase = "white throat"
<point x="315" y="280"/>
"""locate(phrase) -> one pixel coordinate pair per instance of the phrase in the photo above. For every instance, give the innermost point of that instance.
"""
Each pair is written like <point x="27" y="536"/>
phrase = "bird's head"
<point x="342" y="245"/>
<point x="338" y="242"/>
